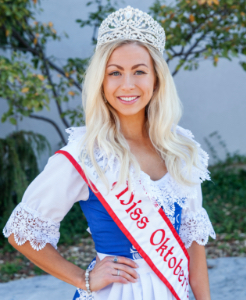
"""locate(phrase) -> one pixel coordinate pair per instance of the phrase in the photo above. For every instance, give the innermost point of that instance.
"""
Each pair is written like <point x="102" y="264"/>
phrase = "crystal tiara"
<point x="132" y="24"/>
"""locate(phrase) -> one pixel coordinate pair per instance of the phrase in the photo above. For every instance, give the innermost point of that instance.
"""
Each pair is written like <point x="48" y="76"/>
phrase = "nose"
<point x="127" y="83"/>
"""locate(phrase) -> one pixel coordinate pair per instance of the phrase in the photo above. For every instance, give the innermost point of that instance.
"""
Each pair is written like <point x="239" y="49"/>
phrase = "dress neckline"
<point x="155" y="181"/>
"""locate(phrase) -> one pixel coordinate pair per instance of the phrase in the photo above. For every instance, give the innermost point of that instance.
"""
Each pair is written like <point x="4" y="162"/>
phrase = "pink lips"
<point x="128" y="102"/>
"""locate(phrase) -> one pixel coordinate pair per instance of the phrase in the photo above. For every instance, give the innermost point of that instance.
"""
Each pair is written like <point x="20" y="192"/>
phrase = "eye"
<point x="140" y="72"/>
<point x="116" y="73"/>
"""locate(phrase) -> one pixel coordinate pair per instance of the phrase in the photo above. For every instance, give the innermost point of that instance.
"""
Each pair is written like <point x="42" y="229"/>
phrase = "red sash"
<point x="149" y="231"/>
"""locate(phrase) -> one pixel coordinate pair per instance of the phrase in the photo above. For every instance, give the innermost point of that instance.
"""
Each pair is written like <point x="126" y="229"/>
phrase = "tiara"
<point x="132" y="24"/>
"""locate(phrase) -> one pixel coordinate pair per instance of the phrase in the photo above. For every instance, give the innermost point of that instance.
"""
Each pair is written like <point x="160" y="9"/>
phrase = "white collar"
<point x="166" y="193"/>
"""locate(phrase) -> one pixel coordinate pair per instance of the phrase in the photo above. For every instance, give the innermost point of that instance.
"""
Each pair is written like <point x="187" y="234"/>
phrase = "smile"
<point x="129" y="99"/>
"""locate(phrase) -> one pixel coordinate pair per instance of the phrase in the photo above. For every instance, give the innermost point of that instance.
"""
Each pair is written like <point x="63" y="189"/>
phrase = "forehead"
<point x="130" y="54"/>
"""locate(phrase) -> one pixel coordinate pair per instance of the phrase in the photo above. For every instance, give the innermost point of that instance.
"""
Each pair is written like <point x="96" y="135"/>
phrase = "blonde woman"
<point x="136" y="174"/>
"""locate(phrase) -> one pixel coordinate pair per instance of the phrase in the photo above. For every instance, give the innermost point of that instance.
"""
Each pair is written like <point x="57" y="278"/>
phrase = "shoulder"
<point x="75" y="133"/>
<point x="184" y="132"/>
<point x="201" y="169"/>
<point x="75" y="138"/>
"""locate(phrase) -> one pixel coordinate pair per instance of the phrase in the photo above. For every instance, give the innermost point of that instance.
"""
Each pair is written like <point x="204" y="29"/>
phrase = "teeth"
<point x="127" y="98"/>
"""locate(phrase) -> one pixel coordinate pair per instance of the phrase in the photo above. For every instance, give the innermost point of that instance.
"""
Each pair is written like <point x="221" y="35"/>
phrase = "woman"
<point x="135" y="173"/>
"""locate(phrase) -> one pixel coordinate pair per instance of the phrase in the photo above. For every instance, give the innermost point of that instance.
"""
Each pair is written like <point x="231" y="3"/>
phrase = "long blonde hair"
<point x="163" y="114"/>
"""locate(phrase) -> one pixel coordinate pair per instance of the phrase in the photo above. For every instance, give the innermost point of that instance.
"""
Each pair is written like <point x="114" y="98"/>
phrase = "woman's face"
<point x="129" y="79"/>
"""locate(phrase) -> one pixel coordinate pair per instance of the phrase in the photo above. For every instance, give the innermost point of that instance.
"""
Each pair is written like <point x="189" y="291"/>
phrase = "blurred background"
<point x="44" y="50"/>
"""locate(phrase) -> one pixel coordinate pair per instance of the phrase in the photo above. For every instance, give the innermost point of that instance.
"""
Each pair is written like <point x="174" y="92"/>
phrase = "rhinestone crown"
<point x="132" y="24"/>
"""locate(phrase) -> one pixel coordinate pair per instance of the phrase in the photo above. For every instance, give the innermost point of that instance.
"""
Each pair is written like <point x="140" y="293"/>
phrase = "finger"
<point x="119" y="279"/>
<point x="123" y="260"/>
<point x="126" y="269"/>
<point x="125" y="275"/>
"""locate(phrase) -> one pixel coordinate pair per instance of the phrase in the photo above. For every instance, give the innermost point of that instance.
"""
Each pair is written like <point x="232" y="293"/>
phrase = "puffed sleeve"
<point x="195" y="223"/>
<point x="45" y="203"/>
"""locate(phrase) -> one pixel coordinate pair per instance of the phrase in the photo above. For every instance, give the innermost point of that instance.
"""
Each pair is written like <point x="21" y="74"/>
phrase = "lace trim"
<point x="75" y="133"/>
<point x="165" y="194"/>
<point x="201" y="174"/>
<point x="196" y="226"/>
<point x="27" y="224"/>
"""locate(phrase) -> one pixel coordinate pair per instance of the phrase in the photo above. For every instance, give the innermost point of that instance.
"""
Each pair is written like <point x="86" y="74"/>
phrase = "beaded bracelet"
<point x="87" y="284"/>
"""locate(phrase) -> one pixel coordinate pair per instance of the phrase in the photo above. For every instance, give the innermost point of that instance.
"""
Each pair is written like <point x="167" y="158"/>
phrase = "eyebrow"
<point x="133" y="67"/>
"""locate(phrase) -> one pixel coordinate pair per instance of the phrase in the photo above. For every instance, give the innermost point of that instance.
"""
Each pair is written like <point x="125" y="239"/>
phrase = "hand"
<point x="105" y="272"/>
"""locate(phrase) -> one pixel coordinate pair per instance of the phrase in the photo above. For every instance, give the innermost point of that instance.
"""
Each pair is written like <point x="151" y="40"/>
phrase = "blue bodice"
<point x="106" y="234"/>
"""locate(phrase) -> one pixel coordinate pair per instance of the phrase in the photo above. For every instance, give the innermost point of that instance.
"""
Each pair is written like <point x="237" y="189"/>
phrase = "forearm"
<point x="49" y="260"/>
<point x="199" y="281"/>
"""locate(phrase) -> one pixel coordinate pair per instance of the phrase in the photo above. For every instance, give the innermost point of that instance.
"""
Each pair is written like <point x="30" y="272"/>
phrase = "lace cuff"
<point x="196" y="226"/>
<point x="27" y="224"/>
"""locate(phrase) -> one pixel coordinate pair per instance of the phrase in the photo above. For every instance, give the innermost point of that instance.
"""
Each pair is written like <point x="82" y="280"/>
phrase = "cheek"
<point x="109" y="86"/>
<point x="146" y="85"/>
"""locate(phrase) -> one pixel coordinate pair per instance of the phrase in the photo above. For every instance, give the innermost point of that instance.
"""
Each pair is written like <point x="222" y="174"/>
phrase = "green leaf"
<point x="234" y="53"/>
<point x="230" y="2"/>
<point x="13" y="121"/>
<point x="243" y="64"/>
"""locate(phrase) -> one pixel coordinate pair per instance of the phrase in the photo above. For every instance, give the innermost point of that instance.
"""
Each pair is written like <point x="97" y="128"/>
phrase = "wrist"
<point x="81" y="280"/>
<point x="87" y="281"/>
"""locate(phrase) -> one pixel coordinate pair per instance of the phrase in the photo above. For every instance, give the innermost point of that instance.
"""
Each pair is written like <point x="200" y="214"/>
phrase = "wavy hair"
<point x="162" y="116"/>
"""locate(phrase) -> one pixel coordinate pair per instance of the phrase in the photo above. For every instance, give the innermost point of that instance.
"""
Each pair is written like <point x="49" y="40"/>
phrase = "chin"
<point x="130" y="112"/>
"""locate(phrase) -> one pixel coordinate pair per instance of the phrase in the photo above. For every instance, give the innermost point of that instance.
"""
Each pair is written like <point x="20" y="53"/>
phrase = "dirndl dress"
<point x="54" y="191"/>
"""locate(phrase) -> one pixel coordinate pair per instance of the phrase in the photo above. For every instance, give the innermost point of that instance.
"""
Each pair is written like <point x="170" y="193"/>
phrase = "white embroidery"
<point x="164" y="194"/>
<point x="27" y="224"/>
<point x="201" y="174"/>
<point x="75" y="133"/>
<point x="195" y="226"/>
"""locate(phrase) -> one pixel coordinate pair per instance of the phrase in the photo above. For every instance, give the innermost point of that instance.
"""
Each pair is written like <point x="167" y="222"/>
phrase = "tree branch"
<point x="36" y="53"/>
<point x="52" y="123"/>
<point x="189" y="52"/>
<point x="55" y="95"/>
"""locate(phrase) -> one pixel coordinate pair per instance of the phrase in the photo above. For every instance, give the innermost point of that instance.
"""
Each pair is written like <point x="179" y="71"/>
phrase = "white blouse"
<point x="54" y="191"/>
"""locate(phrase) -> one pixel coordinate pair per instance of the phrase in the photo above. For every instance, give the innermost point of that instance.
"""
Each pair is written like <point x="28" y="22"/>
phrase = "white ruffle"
<point x="148" y="286"/>
<point x="196" y="226"/>
<point x="27" y="224"/>
<point x="202" y="173"/>
<point x="163" y="195"/>
<point x="75" y="133"/>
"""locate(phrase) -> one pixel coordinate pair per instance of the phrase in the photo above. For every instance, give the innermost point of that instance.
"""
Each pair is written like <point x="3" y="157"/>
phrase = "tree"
<point x="18" y="167"/>
<point x="202" y="29"/>
<point x="195" y="30"/>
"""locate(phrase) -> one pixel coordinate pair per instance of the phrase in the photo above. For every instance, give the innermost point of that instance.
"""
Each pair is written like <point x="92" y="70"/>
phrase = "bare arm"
<point x="104" y="272"/>
<point x="199" y="272"/>
<point x="49" y="260"/>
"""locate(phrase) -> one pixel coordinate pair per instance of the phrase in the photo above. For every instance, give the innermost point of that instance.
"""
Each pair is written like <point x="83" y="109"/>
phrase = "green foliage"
<point x="38" y="271"/>
<point x="25" y="91"/>
<point x="73" y="226"/>
<point x="18" y="167"/>
<point x="197" y="30"/>
<point x="10" y="268"/>
<point x="28" y="77"/>
<point x="95" y="18"/>
<point x="225" y="196"/>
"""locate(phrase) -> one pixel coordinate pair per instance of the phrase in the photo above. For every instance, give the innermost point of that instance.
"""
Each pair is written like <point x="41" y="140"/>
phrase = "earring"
<point x="104" y="98"/>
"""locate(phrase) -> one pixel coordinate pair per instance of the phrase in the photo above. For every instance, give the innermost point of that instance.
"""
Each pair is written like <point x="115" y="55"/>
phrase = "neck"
<point x="133" y="127"/>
